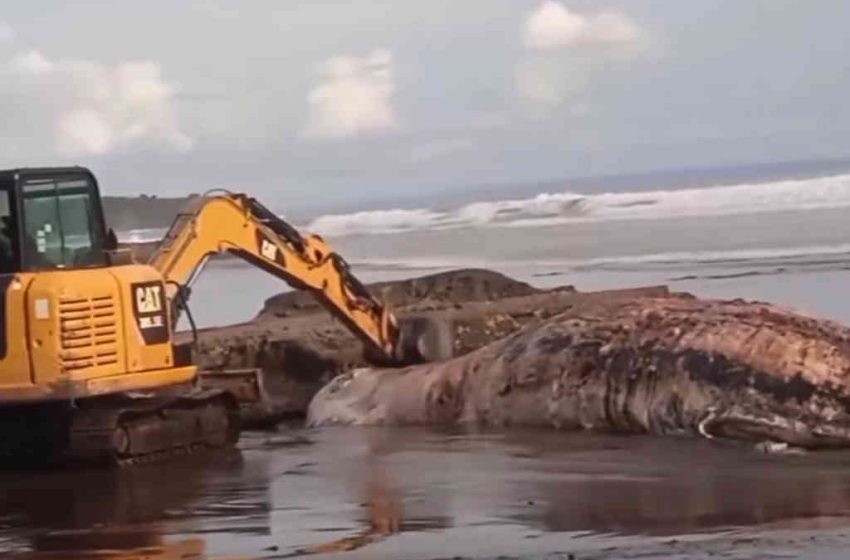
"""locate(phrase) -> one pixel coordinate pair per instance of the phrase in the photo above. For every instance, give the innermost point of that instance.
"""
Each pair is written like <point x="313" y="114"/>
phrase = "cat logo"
<point x="268" y="250"/>
<point x="150" y="311"/>
<point x="149" y="299"/>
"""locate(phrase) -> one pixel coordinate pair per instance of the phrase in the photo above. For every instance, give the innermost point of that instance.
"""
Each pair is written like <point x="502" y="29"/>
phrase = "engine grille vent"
<point x="88" y="332"/>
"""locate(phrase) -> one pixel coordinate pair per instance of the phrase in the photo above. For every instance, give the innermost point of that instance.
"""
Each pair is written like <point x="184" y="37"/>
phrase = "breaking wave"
<point x="566" y="207"/>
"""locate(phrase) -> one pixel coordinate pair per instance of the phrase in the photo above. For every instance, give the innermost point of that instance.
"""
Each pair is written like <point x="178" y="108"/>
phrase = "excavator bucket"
<point x="424" y="339"/>
<point x="421" y="339"/>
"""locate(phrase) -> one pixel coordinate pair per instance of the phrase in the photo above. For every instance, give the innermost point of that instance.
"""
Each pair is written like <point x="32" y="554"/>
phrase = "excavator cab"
<point x="51" y="219"/>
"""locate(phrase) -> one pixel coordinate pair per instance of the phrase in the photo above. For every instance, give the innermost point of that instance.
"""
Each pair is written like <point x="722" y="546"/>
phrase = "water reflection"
<point x="383" y="510"/>
<point x="185" y="550"/>
<point x="311" y="492"/>
<point x="664" y="487"/>
<point x="71" y="513"/>
<point x="381" y="503"/>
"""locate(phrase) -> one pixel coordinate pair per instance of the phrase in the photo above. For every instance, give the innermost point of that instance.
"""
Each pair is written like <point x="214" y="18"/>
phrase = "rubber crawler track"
<point x="120" y="431"/>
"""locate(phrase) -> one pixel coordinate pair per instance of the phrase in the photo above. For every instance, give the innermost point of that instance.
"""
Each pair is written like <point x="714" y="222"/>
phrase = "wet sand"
<point x="415" y="493"/>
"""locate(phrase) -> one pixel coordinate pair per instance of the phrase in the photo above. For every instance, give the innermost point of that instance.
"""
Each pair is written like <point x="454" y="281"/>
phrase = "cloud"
<point x="7" y="34"/>
<point x="85" y="108"/>
<point x="549" y="80"/>
<point x="429" y="151"/>
<point x="552" y="26"/>
<point x="565" y="48"/>
<point x="214" y="9"/>
<point x="353" y="96"/>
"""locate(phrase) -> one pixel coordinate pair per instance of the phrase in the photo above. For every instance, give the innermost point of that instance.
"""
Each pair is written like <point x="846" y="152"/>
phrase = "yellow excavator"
<point x="89" y="369"/>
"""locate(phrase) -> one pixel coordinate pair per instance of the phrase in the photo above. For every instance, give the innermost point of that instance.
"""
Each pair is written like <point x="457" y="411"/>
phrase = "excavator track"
<point x="120" y="430"/>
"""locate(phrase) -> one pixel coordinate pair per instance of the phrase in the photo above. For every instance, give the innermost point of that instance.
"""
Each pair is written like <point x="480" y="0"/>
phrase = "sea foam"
<point x="566" y="207"/>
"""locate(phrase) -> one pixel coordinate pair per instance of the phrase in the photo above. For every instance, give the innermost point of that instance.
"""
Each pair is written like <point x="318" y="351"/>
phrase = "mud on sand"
<point x="299" y="347"/>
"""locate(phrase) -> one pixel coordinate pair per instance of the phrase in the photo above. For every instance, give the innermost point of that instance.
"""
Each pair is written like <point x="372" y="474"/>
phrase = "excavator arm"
<point x="240" y="225"/>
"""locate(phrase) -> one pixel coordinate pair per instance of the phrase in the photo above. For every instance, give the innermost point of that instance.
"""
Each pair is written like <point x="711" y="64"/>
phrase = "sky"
<point x="321" y="103"/>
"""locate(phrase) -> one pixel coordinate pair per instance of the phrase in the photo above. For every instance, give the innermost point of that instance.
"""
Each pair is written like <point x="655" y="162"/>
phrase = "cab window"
<point x="8" y="234"/>
<point x="60" y="225"/>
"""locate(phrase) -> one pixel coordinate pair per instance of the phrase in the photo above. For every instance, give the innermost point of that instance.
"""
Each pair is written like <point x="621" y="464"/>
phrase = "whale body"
<point x="661" y="365"/>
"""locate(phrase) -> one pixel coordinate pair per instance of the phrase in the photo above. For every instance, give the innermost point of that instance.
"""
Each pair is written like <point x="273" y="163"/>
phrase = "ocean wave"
<point x="818" y="254"/>
<point x="141" y="235"/>
<point x="561" y="208"/>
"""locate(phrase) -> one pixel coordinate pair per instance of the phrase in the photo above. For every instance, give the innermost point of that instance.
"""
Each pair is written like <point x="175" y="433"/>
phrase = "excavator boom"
<point x="241" y="226"/>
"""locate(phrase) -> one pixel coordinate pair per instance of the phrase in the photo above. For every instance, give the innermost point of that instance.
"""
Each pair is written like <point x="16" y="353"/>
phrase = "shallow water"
<point x="518" y="494"/>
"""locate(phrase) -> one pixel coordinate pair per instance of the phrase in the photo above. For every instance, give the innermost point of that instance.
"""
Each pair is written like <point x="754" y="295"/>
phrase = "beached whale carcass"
<point x="662" y="365"/>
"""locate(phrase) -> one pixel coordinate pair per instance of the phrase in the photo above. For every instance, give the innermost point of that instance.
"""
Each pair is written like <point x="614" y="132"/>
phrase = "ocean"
<point x="783" y="241"/>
